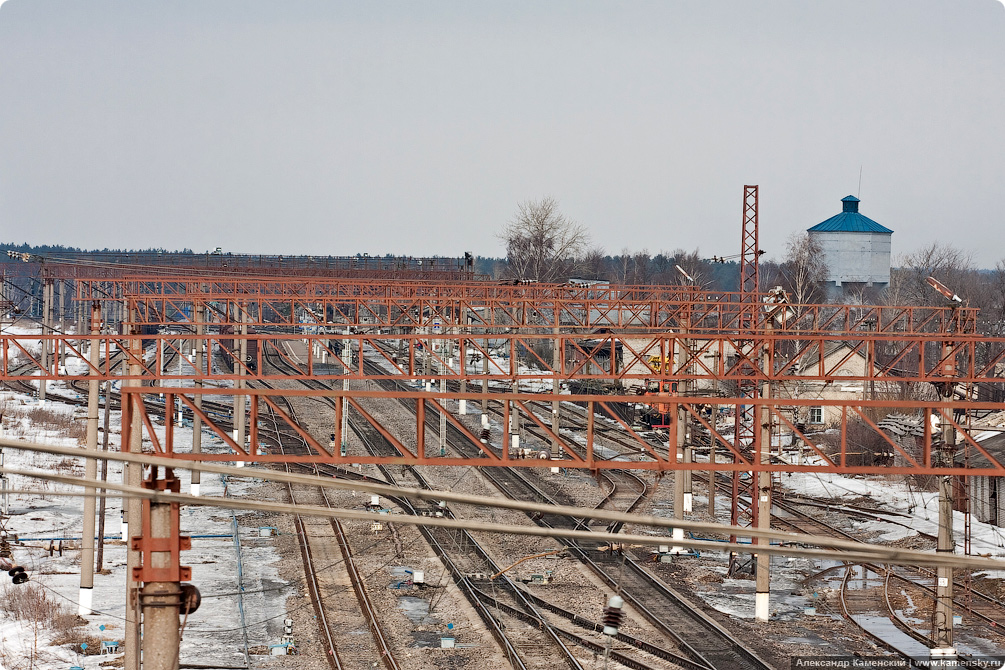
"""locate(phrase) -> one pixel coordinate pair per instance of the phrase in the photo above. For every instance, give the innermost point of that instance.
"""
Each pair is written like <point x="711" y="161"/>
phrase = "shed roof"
<point x="849" y="221"/>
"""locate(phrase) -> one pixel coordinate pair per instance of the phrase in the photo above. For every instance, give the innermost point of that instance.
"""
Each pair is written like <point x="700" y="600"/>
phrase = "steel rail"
<point x="310" y="576"/>
<point x="463" y="582"/>
<point x="717" y="641"/>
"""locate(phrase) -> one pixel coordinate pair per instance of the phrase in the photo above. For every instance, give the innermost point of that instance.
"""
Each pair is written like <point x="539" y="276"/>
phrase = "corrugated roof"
<point x="849" y="221"/>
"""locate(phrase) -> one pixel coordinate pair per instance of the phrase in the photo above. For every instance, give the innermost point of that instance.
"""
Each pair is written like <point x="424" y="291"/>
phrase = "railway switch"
<point x="613" y="615"/>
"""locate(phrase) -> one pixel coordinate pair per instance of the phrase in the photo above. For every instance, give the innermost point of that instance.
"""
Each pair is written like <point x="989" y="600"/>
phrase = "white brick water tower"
<point x="856" y="249"/>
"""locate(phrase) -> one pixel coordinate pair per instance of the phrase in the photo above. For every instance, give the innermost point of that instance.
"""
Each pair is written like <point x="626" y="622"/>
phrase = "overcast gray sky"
<point x="416" y="127"/>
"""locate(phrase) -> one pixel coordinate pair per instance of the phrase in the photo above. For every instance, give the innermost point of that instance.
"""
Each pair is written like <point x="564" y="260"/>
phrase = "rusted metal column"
<point x="84" y="598"/>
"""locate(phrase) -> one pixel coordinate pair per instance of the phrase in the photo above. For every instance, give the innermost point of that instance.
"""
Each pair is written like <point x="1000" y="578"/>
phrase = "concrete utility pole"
<point x="200" y="360"/>
<point x="762" y="597"/>
<point x="485" y="385"/>
<point x="90" y="469"/>
<point x="344" y="424"/>
<point x="133" y="475"/>
<point x="462" y="360"/>
<point x="443" y="418"/>
<point x="104" y="475"/>
<point x="711" y="469"/>
<point x="683" y="440"/>
<point x="556" y="390"/>
<point x="241" y="352"/>
<point x="46" y="330"/>
<point x="942" y="633"/>
<point x="675" y="447"/>
<point x="161" y="599"/>
<point x="62" y="319"/>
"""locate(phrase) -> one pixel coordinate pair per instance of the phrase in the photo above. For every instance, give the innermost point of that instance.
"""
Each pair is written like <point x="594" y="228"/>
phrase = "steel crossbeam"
<point x="821" y="453"/>
<point x="412" y="304"/>
<point x="717" y="315"/>
<point x="513" y="357"/>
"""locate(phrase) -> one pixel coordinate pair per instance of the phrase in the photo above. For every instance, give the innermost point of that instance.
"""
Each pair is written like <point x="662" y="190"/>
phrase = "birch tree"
<point x="542" y="244"/>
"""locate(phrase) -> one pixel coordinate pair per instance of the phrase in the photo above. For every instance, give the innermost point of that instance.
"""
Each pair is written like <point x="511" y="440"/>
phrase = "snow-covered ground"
<point x="222" y="568"/>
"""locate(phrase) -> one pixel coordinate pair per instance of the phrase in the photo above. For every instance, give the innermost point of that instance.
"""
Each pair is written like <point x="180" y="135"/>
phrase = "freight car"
<point x="227" y="343"/>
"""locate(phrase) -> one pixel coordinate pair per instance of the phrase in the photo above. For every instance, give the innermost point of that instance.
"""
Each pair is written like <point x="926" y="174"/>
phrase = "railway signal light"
<point x="613" y="615"/>
<point x="18" y="575"/>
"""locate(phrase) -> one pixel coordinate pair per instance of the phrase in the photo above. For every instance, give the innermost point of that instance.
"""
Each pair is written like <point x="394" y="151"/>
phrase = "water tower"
<point x="856" y="249"/>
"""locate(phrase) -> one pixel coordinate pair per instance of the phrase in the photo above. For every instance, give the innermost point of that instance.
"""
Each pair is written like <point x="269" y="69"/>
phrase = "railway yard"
<point x="402" y="473"/>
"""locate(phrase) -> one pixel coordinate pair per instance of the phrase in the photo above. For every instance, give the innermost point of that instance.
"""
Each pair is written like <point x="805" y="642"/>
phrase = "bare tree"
<point x="541" y="243"/>
<point x="803" y="270"/>
<point x="952" y="266"/>
<point x="594" y="264"/>
<point x="694" y="265"/>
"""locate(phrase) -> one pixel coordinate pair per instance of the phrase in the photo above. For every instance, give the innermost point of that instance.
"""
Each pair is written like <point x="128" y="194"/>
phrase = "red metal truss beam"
<point x="609" y="357"/>
<point x="488" y="305"/>
<point x="416" y="313"/>
<point x="835" y="458"/>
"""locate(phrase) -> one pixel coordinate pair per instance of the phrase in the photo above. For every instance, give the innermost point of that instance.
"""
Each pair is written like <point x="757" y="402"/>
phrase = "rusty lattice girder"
<point x="411" y="447"/>
<point x="705" y="313"/>
<point x="411" y="304"/>
<point x="115" y="265"/>
<point x="614" y="358"/>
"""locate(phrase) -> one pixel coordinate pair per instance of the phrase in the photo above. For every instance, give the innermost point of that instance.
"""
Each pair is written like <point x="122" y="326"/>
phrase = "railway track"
<point x="469" y="567"/>
<point x="702" y="640"/>
<point x="382" y="649"/>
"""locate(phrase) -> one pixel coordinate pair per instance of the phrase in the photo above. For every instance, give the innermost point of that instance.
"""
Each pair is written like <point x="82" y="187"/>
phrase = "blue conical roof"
<point x="849" y="221"/>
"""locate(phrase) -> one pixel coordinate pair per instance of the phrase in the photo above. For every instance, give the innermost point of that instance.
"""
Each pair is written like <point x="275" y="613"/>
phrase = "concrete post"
<point x="344" y="424"/>
<point x="104" y="476"/>
<point x="133" y="475"/>
<point x="675" y="441"/>
<point x="762" y="597"/>
<point x="241" y="346"/>
<point x="161" y="601"/>
<point x="711" y="472"/>
<point x="62" y="319"/>
<point x="485" y="386"/>
<point x="90" y="472"/>
<point x="556" y="390"/>
<point x="462" y="356"/>
<point x="942" y="634"/>
<point x="46" y="330"/>
<point x="443" y="419"/>
<point x="200" y="360"/>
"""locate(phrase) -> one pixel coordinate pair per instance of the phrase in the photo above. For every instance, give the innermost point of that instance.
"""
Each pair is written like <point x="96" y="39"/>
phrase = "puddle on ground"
<point x="426" y="639"/>
<point x="416" y="609"/>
